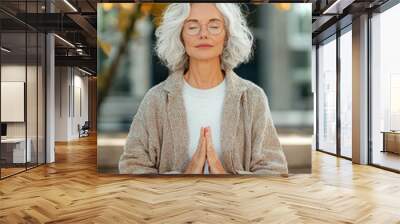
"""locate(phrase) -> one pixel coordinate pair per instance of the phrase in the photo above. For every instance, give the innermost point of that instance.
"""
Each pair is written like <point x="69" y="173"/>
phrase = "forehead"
<point x="204" y="12"/>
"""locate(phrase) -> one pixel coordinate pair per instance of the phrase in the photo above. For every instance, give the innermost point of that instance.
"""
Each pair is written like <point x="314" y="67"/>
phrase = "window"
<point x="385" y="89"/>
<point x="327" y="96"/>
<point x="346" y="94"/>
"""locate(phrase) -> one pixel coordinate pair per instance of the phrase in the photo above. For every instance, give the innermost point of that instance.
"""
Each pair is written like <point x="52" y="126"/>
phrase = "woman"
<point x="204" y="118"/>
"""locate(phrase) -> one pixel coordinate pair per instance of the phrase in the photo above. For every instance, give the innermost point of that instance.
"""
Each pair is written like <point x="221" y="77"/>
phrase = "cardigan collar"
<point x="176" y="114"/>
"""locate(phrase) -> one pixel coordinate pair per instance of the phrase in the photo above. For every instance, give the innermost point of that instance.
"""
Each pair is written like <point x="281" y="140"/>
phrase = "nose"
<point x="203" y="32"/>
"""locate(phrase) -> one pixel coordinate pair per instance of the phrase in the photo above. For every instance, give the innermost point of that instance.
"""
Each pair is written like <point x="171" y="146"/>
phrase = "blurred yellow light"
<point x="107" y="6"/>
<point x="284" y="6"/>
<point x="127" y="6"/>
<point x="146" y="8"/>
<point x="106" y="47"/>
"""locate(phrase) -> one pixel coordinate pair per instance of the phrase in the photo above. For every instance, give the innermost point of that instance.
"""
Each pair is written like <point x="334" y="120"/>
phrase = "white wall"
<point x="16" y="73"/>
<point x="70" y="84"/>
<point x="33" y="126"/>
<point x="61" y="103"/>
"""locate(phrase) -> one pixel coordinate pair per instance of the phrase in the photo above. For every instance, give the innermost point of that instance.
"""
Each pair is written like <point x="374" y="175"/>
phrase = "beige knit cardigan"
<point x="157" y="141"/>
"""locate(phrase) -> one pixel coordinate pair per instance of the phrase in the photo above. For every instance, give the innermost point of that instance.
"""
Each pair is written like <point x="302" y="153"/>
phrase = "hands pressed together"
<point x="205" y="152"/>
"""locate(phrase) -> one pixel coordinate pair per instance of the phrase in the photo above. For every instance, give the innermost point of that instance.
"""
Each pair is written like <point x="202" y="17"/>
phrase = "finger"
<point x="210" y="147"/>
<point x="198" y="149"/>
<point x="208" y="135"/>
<point x="201" y="135"/>
<point x="209" y="132"/>
<point x="212" y="157"/>
<point x="203" y="147"/>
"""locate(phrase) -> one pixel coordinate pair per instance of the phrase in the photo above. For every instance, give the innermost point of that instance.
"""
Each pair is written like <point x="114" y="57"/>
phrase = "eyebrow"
<point x="196" y="20"/>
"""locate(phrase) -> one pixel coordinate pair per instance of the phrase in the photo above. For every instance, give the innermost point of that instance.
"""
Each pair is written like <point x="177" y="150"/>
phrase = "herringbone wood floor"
<point x="70" y="191"/>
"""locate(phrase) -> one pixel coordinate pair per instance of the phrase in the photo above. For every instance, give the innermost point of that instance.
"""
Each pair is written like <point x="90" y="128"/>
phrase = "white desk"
<point x="19" y="149"/>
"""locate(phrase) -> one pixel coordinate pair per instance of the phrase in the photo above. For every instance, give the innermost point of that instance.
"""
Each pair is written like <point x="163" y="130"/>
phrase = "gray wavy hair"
<point x="170" y="49"/>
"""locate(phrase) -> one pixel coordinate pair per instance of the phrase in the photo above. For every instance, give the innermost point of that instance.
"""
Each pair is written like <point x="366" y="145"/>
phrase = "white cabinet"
<point x="18" y="149"/>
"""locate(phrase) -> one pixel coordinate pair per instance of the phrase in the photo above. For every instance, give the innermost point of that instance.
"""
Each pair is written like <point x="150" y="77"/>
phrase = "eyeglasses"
<point x="193" y="28"/>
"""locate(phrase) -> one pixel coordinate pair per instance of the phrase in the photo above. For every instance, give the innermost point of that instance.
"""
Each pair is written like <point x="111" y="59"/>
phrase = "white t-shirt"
<point x="204" y="108"/>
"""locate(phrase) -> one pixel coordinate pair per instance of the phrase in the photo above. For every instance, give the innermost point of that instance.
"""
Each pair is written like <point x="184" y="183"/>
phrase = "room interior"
<point x="49" y="173"/>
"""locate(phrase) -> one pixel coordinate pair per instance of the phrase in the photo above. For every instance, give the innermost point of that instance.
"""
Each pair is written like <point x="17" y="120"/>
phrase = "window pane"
<point x="346" y="94"/>
<point x="327" y="96"/>
<point x="386" y="89"/>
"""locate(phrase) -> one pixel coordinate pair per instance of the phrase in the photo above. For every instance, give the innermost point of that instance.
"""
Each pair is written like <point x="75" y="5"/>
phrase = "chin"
<point x="204" y="56"/>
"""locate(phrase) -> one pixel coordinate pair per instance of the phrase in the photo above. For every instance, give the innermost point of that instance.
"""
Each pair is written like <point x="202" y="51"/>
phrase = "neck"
<point x="204" y="74"/>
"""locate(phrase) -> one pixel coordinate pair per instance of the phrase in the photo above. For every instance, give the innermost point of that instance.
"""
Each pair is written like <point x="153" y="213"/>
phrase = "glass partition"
<point x="31" y="100"/>
<point x="14" y="151"/>
<point x="22" y="88"/>
<point x="41" y="107"/>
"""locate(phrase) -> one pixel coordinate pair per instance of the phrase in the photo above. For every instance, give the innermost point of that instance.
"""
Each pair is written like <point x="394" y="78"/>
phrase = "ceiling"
<point x="76" y="25"/>
<point x="332" y="15"/>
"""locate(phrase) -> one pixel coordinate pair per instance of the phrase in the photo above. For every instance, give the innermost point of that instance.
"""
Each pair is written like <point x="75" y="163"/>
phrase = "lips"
<point x="204" y="46"/>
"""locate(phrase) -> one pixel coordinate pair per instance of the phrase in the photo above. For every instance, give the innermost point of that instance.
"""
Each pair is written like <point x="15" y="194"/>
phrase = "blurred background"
<point x="281" y="65"/>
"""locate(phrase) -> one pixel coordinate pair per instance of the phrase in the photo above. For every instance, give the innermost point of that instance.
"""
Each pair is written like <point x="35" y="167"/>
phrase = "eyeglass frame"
<point x="201" y="26"/>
